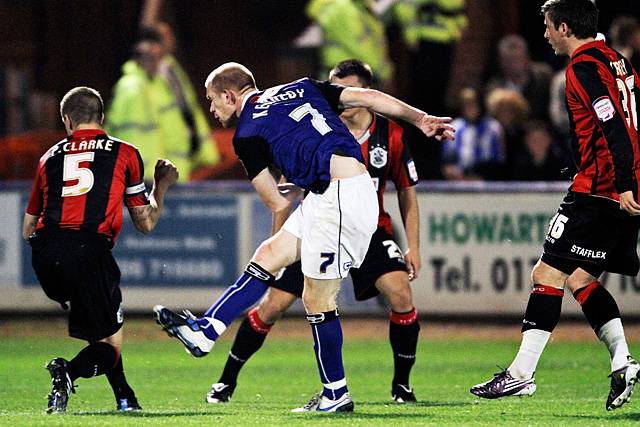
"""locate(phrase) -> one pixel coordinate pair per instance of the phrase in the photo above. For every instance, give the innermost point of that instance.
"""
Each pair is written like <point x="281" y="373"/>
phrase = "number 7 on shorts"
<point x="330" y="257"/>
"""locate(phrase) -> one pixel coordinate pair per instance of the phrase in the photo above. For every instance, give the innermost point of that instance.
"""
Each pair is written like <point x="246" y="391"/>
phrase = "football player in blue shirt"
<point x="296" y="128"/>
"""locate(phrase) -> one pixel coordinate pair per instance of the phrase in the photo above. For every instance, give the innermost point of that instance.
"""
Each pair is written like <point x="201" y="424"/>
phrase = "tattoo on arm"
<point x="29" y="225"/>
<point x="139" y="214"/>
<point x="146" y="217"/>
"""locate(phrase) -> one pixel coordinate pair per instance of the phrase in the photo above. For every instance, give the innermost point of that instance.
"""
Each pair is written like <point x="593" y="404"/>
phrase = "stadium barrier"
<point x="478" y="244"/>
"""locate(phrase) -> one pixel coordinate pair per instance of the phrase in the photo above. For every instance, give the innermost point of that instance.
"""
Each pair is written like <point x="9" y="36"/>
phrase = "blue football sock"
<point x="327" y="339"/>
<point x="247" y="290"/>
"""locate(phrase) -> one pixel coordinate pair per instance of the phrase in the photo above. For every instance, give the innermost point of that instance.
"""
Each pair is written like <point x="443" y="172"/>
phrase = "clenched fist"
<point x="166" y="173"/>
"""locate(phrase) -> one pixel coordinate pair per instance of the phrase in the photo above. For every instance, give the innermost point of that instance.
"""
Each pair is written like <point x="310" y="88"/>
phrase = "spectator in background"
<point x="519" y="73"/>
<point x="155" y="108"/>
<point x="511" y="110"/>
<point x="541" y="159"/>
<point x="624" y="36"/>
<point x="478" y="151"/>
<point x="557" y="105"/>
<point x="15" y="88"/>
<point x="431" y="30"/>
<point x="350" y="31"/>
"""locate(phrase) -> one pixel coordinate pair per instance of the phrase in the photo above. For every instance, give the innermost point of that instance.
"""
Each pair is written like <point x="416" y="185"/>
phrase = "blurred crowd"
<point x="516" y="127"/>
<point x="511" y="123"/>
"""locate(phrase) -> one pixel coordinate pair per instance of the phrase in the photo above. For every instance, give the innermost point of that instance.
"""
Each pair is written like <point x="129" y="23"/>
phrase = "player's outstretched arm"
<point x="387" y="105"/>
<point x="145" y="218"/>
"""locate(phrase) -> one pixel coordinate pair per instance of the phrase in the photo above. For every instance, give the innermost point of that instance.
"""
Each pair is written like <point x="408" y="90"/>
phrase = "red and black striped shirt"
<point x="387" y="157"/>
<point x="82" y="180"/>
<point x="601" y="100"/>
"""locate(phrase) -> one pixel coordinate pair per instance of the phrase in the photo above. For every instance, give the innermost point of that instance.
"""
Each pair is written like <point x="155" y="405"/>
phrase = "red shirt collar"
<point x="84" y="133"/>
<point x="595" y="43"/>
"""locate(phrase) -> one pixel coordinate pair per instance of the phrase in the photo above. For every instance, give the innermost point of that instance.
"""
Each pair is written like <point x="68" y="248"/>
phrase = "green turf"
<point x="572" y="386"/>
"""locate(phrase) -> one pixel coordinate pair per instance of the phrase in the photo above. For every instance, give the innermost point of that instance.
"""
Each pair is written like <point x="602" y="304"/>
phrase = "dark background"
<point x="69" y="42"/>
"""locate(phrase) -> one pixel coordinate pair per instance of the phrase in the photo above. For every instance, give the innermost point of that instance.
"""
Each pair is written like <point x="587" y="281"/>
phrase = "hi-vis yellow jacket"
<point x="437" y="21"/>
<point x="144" y="112"/>
<point x="351" y="32"/>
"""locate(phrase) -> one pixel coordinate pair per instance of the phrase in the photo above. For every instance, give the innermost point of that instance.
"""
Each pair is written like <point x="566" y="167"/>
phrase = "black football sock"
<point x="540" y="319"/>
<point x="543" y="308"/>
<point x="118" y="382"/>
<point x="602" y="313"/>
<point x="249" y="338"/>
<point x="597" y="304"/>
<point x="95" y="359"/>
<point x="403" y="335"/>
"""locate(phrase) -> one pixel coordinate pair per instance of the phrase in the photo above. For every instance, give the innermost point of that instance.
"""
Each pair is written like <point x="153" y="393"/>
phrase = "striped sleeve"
<point x="135" y="188"/>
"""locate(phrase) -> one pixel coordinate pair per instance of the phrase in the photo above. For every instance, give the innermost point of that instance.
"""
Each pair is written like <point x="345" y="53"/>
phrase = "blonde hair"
<point x="500" y="99"/>
<point x="230" y="75"/>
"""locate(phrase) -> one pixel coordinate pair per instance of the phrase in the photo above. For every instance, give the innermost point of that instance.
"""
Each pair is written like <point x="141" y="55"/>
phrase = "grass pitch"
<point x="572" y="382"/>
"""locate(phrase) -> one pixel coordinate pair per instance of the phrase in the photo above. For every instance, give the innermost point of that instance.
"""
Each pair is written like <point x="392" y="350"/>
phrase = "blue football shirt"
<point x="296" y="128"/>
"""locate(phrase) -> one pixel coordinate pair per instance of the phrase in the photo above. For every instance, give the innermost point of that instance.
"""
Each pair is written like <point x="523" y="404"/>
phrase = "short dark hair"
<point x="83" y="105"/>
<point x="353" y="67"/>
<point x="581" y="16"/>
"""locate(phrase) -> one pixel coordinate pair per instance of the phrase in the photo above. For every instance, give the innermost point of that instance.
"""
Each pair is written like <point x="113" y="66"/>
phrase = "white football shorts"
<point x="335" y="227"/>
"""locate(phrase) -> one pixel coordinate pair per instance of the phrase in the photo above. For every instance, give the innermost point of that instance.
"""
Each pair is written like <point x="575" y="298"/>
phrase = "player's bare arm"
<point x="28" y="225"/>
<point x="291" y="192"/>
<point x="408" y="202"/>
<point x="145" y="218"/>
<point x="267" y="189"/>
<point x="387" y="105"/>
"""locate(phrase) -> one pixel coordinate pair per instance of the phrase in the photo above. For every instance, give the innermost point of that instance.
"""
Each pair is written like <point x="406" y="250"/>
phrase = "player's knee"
<point x="536" y="275"/>
<point x="320" y="298"/>
<point x="273" y="256"/>
<point x="269" y="314"/>
<point x="273" y="307"/>
<point x="396" y="289"/>
<point x="400" y="298"/>
<point x="262" y="253"/>
<point x="579" y="279"/>
<point x="314" y="303"/>
<point x="544" y="274"/>
<point x="114" y="340"/>
<point x="116" y="344"/>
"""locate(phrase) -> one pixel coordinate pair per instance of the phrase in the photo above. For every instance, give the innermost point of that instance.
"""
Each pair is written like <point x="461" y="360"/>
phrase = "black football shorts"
<point x="77" y="268"/>
<point x="594" y="234"/>
<point x="383" y="256"/>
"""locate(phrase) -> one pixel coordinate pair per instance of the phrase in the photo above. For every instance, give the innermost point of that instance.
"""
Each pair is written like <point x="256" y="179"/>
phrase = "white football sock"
<point x="533" y="343"/>
<point x="612" y="335"/>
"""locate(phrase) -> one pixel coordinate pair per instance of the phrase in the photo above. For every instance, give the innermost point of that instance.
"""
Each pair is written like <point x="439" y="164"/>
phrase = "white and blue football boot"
<point x="322" y="403"/>
<point x="184" y="328"/>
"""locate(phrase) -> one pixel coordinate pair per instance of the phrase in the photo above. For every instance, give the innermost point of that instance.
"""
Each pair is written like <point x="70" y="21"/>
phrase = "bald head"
<point x="232" y="76"/>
